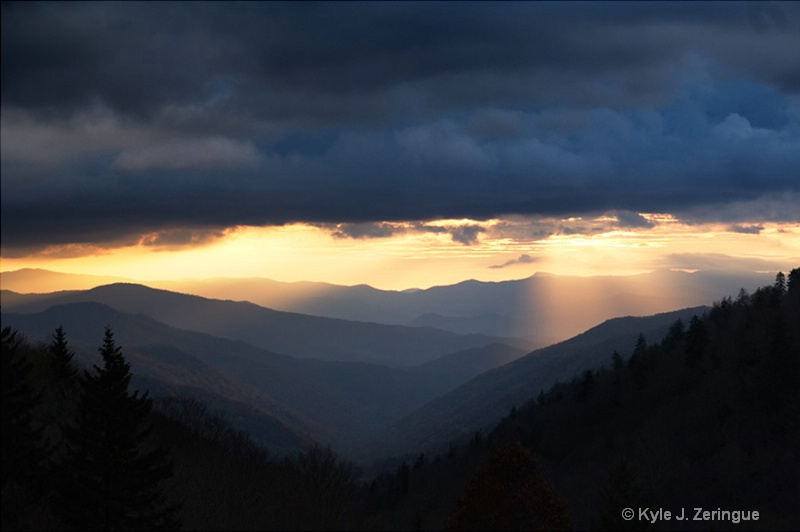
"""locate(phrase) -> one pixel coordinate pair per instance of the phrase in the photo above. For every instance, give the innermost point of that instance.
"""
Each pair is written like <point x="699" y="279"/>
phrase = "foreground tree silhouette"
<point x="111" y="479"/>
<point x="24" y="451"/>
<point x="509" y="493"/>
<point x="62" y="356"/>
<point x="21" y="440"/>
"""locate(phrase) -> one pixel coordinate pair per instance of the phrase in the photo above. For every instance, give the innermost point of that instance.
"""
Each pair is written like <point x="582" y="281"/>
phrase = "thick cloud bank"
<point x="124" y="119"/>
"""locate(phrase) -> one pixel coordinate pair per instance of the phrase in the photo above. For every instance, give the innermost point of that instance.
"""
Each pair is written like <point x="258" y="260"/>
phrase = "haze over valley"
<point x="369" y="388"/>
<point x="400" y="265"/>
<point x="377" y="394"/>
<point x="542" y="308"/>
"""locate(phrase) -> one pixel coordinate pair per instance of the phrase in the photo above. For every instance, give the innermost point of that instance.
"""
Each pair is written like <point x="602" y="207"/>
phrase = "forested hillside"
<point x="707" y="417"/>
<point x="339" y="403"/>
<point x="477" y="404"/>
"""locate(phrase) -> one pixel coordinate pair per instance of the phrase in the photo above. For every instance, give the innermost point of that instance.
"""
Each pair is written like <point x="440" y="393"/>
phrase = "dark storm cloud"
<point x="463" y="234"/>
<point x="182" y="237"/>
<point x="782" y="207"/>
<point x="126" y="119"/>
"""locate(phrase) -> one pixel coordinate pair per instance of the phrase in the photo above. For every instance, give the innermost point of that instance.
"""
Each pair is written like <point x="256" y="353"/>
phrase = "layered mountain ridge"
<point x="367" y="389"/>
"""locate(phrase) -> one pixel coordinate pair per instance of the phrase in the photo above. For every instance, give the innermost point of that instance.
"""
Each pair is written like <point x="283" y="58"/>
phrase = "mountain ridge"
<point x="295" y="334"/>
<point x="542" y="308"/>
<point x="339" y="402"/>
<point x="478" y="403"/>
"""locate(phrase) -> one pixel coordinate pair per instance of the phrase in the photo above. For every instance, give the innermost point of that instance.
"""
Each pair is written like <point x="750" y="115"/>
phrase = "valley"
<point x="371" y="390"/>
<point x="282" y="391"/>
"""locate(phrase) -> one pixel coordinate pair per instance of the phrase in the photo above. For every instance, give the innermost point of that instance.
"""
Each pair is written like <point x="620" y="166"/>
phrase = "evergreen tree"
<point x="696" y="338"/>
<point x="64" y="385"/>
<point x="780" y="283"/>
<point x="20" y="438"/>
<point x="794" y="281"/>
<point x="639" y="362"/>
<point x="61" y="356"/>
<point x="674" y="337"/>
<point x="24" y="451"/>
<point x="743" y="298"/>
<point x="636" y="360"/>
<point x="111" y="479"/>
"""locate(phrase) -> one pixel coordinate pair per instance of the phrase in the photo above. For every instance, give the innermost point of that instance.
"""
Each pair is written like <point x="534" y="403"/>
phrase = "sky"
<point x="399" y="144"/>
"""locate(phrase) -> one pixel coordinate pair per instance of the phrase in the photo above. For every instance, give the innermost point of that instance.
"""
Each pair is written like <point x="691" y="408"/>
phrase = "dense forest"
<point x="709" y="417"/>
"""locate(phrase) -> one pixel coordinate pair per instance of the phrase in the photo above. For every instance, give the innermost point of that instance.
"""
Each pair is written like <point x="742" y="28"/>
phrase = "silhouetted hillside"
<point x="706" y="417"/>
<point x="480" y="402"/>
<point x="168" y="361"/>
<point x="457" y="368"/>
<point x="341" y="403"/>
<point x="213" y="477"/>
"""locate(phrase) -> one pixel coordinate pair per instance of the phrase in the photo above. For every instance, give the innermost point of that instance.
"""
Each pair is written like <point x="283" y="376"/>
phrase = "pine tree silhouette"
<point x="61" y="356"/>
<point x="696" y="339"/>
<point x="111" y="479"/>
<point x="24" y="450"/>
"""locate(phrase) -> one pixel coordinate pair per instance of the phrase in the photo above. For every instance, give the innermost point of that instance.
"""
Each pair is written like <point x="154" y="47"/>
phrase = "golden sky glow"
<point x="164" y="159"/>
<point x="413" y="256"/>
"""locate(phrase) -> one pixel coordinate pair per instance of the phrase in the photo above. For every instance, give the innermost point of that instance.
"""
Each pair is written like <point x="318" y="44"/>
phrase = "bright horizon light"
<point x="407" y="255"/>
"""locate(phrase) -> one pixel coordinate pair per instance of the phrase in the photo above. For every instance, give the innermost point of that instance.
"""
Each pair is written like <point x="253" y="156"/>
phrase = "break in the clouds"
<point x="121" y="120"/>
